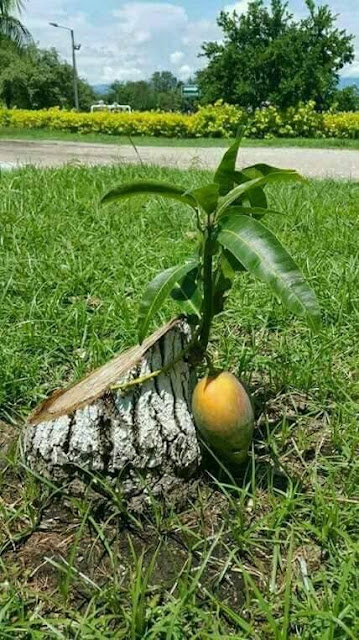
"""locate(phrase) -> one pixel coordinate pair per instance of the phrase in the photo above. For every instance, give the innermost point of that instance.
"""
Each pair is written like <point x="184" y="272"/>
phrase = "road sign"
<point x="190" y="91"/>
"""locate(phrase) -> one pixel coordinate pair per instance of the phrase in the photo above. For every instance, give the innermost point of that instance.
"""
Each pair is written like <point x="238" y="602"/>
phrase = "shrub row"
<point x="218" y="120"/>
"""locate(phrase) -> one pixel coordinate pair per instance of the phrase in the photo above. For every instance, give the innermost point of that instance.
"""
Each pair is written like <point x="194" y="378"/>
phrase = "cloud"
<point x="176" y="57"/>
<point x="185" y="72"/>
<point x="138" y="37"/>
<point x="130" y="42"/>
<point x="352" y="70"/>
<point x="239" y="7"/>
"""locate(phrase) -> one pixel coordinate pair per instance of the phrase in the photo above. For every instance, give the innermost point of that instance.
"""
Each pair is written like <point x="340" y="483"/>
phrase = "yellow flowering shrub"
<point x="341" y="125"/>
<point x="216" y="121"/>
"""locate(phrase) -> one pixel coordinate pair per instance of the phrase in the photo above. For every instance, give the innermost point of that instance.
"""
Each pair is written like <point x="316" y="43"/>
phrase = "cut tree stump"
<point x="143" y="435"/>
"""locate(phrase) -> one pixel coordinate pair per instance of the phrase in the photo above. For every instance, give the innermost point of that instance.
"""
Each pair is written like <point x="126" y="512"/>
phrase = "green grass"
<point x="149" y="141"/>
<point x="270" y="556"/>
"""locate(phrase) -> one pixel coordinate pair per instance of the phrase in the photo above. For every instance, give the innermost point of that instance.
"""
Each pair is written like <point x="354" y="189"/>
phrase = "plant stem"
<point x="207" y="288"/>
<point x="124" y="386"/>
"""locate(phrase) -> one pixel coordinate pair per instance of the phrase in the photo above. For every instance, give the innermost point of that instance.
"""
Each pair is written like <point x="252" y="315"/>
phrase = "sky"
<point x="130" y="39"/>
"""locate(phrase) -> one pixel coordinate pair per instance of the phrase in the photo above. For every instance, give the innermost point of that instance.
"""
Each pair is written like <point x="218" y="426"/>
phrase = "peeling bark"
<point x="145" y="436"/>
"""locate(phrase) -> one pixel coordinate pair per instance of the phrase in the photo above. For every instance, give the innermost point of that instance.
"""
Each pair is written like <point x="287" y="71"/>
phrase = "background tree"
<point x="39" y="79"/>
<point x="162" y="91"/>
<point x="346" y="99"/>
<point x="10" y="26"/>
<point x="267" y="56"/>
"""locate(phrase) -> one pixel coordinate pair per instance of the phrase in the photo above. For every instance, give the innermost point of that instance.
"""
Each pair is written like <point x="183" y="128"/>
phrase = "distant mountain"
<point x="100" y="89"/>
<point x="348" y="81"/>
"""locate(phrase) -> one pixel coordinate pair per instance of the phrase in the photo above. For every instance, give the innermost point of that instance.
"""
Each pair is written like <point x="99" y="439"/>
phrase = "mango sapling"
<point x="232" y="240"/>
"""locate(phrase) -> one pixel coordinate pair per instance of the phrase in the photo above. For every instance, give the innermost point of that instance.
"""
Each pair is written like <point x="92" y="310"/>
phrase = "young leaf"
<point x="187" y="294"/>
<point x="221" y="288"/>
<point x="256" y="196"/>
<point x="243" y="188"/>
<point x="157" y="291"/>
<point x="230" y="264"/>
<point x="207" y="197"/>
<point x="256" y="212"/>
<point x="227" y="267"/>
<point x="263" y="255"/>
<point x="150" y="187"/>
<point x="258" y="170"/>
<point x="225" y="170"/>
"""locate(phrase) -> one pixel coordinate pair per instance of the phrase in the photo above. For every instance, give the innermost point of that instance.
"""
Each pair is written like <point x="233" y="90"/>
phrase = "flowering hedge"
<point x="218" y="120"/>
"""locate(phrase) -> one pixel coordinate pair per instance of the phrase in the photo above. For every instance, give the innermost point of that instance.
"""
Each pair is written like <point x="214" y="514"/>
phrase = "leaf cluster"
<point x="38" y="79"/>
<point x="268" y="56"/>
<point x="232" y="239"/>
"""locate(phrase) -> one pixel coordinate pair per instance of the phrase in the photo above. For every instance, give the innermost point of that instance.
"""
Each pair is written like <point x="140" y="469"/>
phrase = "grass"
<point x="149" y="141"/>
<point x="271" y="555"/>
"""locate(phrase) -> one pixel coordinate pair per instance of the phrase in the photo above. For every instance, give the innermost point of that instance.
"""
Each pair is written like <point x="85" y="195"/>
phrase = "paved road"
<point x="321" y="163"/>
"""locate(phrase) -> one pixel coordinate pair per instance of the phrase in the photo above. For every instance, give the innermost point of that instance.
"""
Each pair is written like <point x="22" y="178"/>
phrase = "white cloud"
<point x="130" y="42"/>
<point x="352" y="70"/>
<point x="185" y="72"/>
<point x="176" y="57"/>
<point x="137" y="38"/>
<point x="238" y="7"/>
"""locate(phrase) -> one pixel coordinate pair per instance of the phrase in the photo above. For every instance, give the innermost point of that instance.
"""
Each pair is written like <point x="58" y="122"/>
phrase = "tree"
<point x="38" y="79"/>
<point x="347" y="99"/>
<point x="164" y="81"/>
<point x="162" y="91"/>
<point x="138" y="94"/>
<point x="10" y="27"/>
<point x="267" y="56"/>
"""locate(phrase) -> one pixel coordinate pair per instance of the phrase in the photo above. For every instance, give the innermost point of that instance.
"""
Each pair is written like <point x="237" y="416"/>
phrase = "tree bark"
<point x="143" y="437"/>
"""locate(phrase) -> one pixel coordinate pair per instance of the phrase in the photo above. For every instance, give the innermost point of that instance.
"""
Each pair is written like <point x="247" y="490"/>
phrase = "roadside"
<point x="316" y="163"/>
<point x="150" y="141"/>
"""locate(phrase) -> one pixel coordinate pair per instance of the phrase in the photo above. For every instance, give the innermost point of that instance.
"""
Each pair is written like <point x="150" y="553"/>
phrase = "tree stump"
<point x="144" y="435"/>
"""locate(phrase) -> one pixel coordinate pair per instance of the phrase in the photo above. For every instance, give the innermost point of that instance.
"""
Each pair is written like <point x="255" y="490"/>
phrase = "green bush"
<point x="212" y="121"/>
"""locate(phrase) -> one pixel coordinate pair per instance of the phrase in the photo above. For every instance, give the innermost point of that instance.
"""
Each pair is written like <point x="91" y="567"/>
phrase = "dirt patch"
<point x="8" y="434"/>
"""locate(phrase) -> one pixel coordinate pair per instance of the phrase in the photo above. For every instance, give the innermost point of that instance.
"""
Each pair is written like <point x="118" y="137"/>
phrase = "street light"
<point x="74" y="47"/>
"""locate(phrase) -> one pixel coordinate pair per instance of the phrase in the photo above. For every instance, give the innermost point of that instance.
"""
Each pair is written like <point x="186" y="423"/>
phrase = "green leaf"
<point x="256" y="212"/>
<point x="259" y="170"/>
<point x="157" y="291"/>
<point x="263" y="255"/>
<point x="237" y="192"/>
<point x="207" y="197"/>
<point x="243" y="188"/>
<point x="187" y="294"/>
<point x="149" y="187"/>
<point x="256" y="196"/>
<point x="225" y="170"/>
<point x="222" y="285"/>
<point x="230" y="264"/>
<point x="226" y="271"/>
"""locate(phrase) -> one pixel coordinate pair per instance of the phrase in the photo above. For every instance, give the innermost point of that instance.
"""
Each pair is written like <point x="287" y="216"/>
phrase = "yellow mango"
<point x="223" y="415"/>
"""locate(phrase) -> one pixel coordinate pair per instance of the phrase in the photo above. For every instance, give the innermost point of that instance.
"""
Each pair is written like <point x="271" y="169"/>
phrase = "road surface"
<point x="318" y="163"/>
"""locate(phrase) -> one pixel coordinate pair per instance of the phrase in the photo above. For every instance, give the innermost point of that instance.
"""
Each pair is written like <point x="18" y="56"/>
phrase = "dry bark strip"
<point x="145" y="435"/>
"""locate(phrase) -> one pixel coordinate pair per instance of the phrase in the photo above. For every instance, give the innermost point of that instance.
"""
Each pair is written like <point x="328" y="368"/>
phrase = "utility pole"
<point x="74" y="48"/>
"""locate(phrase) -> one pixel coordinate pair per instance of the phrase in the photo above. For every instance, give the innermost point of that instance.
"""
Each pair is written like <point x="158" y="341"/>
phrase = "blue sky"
<point x="129" y="40"/>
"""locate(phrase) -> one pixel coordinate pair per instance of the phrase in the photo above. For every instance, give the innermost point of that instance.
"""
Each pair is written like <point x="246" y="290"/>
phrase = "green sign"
<point x="190" y="91"/>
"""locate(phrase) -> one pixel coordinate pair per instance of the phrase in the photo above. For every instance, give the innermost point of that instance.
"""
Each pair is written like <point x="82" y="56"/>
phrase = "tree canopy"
<point x="39" y="79"/>
<point x="11" y="29"/>
<point x="162" y="91"/>
<point x="268" y="56"/>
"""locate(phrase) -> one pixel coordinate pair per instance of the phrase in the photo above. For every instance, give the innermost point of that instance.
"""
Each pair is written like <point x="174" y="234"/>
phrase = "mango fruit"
<point x="223" y="415"/>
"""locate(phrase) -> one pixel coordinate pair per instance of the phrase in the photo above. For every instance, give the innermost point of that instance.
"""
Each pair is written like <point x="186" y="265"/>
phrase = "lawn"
<point x="270" y="554"/>
<point x="150" y="141"/>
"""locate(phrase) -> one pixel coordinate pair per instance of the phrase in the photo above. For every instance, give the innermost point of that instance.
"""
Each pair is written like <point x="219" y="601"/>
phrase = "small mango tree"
<point x="232" y="239"/>
<point x="133" y="417"/>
